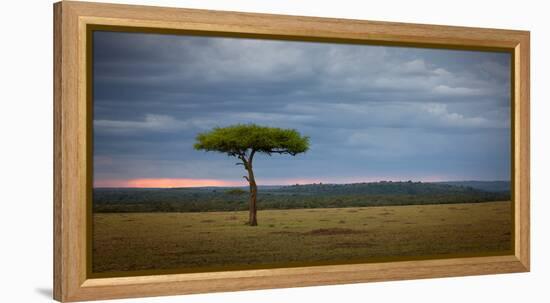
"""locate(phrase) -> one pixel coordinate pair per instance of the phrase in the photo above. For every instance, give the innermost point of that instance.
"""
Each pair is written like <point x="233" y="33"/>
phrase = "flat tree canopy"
<point x="243" y="141"/>
<point x="237" y="139"/>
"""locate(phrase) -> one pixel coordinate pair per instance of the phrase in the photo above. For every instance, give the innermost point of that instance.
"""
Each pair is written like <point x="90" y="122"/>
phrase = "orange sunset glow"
<point x="165" y="183"/>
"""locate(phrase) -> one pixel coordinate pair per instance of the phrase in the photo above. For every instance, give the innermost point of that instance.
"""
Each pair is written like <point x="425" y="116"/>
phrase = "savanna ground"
<point x="159" y="241"/>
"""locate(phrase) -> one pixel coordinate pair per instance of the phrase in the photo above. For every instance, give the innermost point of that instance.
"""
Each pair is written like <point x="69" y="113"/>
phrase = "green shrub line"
<point x="117" y="200"/>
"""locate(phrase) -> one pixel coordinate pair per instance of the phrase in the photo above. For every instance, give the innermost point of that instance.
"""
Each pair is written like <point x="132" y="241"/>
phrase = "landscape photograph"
<point x="229" y="153"/>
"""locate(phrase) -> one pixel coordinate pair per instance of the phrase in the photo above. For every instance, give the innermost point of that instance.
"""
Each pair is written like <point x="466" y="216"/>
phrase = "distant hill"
<point x="491" y="186"/>
<point x="294" y="196"/>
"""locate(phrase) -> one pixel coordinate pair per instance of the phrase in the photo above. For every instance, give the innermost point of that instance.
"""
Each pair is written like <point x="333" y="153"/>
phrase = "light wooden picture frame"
<point x="73" y="24"/>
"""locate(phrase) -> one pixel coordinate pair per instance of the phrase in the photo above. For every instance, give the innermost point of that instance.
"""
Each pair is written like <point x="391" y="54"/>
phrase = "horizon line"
<point x="244" y="184"/>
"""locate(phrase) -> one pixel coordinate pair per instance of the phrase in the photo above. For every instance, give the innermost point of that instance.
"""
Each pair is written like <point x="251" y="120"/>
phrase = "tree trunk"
<point x="252" y="220"/>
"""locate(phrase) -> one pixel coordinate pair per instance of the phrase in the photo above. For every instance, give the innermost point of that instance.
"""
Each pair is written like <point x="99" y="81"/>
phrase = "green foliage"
<point x="236" y="191"/>
<point x="288" y="197"/>
<point x="494" y="186"/>
<point x="238" y="139"/>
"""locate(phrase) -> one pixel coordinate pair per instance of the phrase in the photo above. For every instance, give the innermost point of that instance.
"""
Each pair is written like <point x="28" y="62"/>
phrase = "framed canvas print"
<point x="202" y="151"/>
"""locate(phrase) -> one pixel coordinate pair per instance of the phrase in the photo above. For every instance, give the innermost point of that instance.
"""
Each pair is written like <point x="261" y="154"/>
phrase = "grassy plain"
<point x="159" y="241"/>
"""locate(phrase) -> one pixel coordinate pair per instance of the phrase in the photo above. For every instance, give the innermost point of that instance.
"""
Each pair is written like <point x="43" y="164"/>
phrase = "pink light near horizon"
<point x="190" y="182"/>
<point x="165" y="183"/>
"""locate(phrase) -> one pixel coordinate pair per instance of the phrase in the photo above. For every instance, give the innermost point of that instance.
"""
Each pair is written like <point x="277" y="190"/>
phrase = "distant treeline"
<point x="288" y="197"/>
<point x="502" y="186"/>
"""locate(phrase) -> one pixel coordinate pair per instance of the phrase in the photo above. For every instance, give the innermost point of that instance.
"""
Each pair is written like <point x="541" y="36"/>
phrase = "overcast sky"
<point x="372" y="112"/>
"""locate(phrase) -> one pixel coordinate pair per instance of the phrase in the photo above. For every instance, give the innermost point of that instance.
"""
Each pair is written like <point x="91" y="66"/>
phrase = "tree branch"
<point x="246" y="178"/>
<point x="251" y="156"/>
<point x="242" y="157"/>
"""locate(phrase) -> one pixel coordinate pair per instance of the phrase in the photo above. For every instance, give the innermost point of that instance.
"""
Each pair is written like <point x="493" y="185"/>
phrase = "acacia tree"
<point x="243" y="141"/>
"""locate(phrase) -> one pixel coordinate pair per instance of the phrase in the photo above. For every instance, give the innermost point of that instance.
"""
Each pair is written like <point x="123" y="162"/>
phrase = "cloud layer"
<point x="372" y="112"/>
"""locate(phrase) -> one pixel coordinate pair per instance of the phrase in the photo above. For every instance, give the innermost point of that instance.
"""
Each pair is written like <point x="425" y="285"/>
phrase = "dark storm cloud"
<point x="371" y="111"/>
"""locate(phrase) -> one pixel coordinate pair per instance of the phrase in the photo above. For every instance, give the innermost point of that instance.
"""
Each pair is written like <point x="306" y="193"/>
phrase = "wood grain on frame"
<point x="72" y="135"/>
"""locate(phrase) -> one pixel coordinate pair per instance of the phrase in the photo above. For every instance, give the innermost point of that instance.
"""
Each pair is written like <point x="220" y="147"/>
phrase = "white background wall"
<point x="26" y="150"/>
